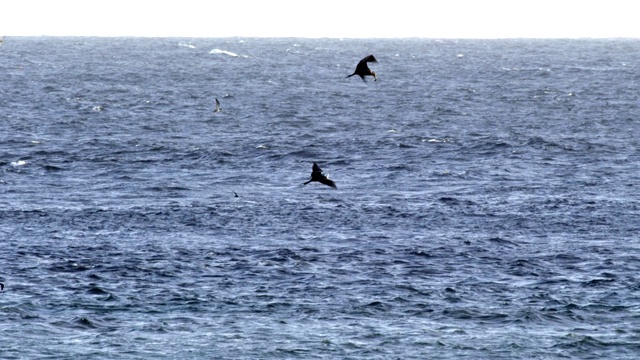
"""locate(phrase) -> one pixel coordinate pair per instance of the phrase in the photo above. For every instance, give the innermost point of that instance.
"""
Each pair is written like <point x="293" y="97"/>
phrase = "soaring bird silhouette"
<point x="363" y="70"/>
<point x="317" y="175"/>
<point x="218" y="108"/>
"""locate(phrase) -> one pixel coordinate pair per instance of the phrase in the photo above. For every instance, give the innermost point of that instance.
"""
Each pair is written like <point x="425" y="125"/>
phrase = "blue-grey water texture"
<point x="487" y="203"/>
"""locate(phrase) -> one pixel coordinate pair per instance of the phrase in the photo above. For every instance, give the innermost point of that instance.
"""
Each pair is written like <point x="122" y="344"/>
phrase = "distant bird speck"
<point x="363" y="70"/>
<point x="317" y="175"/>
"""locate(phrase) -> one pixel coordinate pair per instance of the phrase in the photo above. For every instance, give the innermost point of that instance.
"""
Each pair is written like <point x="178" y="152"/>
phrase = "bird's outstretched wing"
<point x="362" y="65"/>
<point x="316" y="170"/>
<point x="218" y="108"/>
<point x="367" y="59"/>
<point x="325" y="180"/>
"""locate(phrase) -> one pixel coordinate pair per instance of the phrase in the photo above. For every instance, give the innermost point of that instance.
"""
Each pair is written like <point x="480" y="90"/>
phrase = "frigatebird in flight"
<point x="363" y="70"/>
<point x="317" y="175"/>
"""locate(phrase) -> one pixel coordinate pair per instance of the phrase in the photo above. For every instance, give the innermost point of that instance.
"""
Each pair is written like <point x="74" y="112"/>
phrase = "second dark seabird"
<point x="317" y="175"/>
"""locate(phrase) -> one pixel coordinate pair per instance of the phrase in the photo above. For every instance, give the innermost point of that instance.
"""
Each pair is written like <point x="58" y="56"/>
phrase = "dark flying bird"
<point x="317" y="175"/>
<point x="363" y="70"/>
<point x="218" y="108"/>
<point x="1" y="286"/>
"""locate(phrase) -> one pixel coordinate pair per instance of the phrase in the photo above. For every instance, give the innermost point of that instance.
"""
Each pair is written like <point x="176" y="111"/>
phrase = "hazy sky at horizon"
<point x="328" y="18"/>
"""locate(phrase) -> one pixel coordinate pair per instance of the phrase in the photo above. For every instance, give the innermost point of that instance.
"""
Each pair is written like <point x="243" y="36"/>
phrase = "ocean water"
<point x="487" y="203"/>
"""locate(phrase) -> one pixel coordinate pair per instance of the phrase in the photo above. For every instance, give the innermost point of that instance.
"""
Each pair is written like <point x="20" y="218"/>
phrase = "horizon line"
<point x="343" y="37"/>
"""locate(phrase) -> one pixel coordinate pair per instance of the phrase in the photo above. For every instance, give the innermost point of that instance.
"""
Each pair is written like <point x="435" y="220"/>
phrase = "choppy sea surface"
<point x="487" y="203"/>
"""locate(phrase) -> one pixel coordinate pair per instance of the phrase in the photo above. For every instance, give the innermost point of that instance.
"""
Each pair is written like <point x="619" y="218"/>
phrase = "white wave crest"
<point x="225" y="52"/>
<point x="18" y="163"/>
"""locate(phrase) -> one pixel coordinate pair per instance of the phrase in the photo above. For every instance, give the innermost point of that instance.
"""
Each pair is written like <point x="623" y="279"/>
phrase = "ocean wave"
<point x="225" y="52"/>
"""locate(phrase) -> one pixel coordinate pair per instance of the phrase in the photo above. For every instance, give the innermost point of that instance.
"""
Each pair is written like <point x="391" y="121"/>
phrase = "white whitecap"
<point x="18" y="163"/>
<point x="225" y="52"/>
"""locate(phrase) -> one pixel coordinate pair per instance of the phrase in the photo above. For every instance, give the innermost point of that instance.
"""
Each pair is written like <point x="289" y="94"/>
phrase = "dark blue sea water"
<point x="487" y="203"/>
